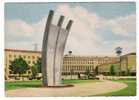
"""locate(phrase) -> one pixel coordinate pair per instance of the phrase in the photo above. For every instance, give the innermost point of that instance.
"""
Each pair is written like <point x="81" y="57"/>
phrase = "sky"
<point x="98" y="28"/>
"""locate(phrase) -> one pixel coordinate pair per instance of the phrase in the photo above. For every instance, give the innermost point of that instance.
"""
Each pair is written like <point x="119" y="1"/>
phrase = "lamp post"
<point x="70" y="52"/>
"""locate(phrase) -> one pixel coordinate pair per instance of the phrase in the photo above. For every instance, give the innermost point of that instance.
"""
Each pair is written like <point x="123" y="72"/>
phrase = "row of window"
<point x="101" y="59"/>
<point x="91" y="59"/>
<point x="29" y="62"/>
<point x="77" y="62"/>
<point x="68" y="68"/>
<point x="87" y="62"/>
<point x="24" y="56"/>
<point x="74" y="73"/>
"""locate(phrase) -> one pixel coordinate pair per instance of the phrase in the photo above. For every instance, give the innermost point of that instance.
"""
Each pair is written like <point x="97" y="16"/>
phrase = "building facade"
<point x="79" y="64"/>
<point x="29" y="56"/>
<point x="126" y="65"/>
<point x="71" y="63"/>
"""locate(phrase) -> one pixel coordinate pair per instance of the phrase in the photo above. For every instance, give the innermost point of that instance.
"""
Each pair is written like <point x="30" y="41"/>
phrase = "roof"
<point x="132" y="53"/>
<point x="115" y="62"/>
<point x="17" y="50"/>
<point x="86" y="56"/>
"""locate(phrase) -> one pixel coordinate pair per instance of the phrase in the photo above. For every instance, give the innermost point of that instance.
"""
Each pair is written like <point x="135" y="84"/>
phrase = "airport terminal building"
<point x="72" y="63"/>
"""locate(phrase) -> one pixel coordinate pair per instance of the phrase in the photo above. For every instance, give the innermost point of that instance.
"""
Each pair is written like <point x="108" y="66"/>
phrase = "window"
<point x="10" y="61"/>
<point x="33" y="62"/>
<point x="28" y="56"/>
<point x="24" y="56"/>
<point x="14" y="56"/>
<point x="29" y="72"/>
<point x="10" y="72"/>
<point x="29" y="62"/>
<point x="33" y="57"/>
<point x="10" y="56"/>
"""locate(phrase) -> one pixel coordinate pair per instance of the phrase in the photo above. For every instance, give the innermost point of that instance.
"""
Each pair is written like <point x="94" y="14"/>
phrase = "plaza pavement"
<point x="81" y="89"/>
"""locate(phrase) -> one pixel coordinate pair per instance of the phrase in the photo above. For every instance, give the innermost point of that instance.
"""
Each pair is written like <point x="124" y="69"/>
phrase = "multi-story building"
<point x="126" y="65"/>
<point x="71" y="64"/>
<point x="29" y="56"/>
<point x="128" y="62"/>
<point x="79" y="64"/>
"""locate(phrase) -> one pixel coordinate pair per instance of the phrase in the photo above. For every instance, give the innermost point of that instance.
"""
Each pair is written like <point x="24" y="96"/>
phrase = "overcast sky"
<point x="98" y="28"/>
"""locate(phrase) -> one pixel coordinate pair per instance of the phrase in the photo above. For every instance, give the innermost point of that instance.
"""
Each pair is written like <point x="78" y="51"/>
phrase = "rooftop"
<point x="17" y="50"/>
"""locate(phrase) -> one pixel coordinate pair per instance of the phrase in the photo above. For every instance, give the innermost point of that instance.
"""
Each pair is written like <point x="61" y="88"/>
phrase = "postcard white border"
<point x="2" y="92"/>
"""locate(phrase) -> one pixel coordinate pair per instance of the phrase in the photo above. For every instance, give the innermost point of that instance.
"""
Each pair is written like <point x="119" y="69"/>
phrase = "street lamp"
<point x="70" y="52"/>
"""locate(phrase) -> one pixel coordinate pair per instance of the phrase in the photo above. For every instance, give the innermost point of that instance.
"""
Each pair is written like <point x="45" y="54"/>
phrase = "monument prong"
<point x="44" y="46"/>
<point x="61" y="20"/>
<point x="69" y="25"/>
<point x="49" y="21"/>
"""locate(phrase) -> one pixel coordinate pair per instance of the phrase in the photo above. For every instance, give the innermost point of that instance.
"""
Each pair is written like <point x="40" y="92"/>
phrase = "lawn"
<point x="22" y="84"/>
<point x="37" y="83"/>
<point x="129" y="91"/>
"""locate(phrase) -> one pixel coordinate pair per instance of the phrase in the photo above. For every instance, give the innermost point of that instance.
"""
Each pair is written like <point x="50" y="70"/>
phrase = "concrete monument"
<point x="54" y="41"/>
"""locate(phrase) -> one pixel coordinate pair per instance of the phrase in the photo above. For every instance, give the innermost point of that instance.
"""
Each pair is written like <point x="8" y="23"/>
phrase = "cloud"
<point x="124" y="26"/>
<point x="82" y="35"/>
<point x="83" y="38"/>
<point x="22" y="35"/>
<point x="17" y="27"/>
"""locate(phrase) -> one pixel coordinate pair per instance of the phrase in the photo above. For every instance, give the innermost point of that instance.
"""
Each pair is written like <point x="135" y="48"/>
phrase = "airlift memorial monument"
<point x="54" y="41"/>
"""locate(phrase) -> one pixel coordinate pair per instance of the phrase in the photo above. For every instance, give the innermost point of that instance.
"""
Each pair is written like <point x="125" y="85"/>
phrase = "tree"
<point x="128" y="72"/>
<point x="79" y="76"/>
<point x="96" y="70"/>
<point x="71" y="72"/>
<point x="38" y="65"/>
<point x="34" y="71"/>
<point x="19" y="66"/>
<point x="36" y="68"/>
<point x="112" y="70"/>
<point x="119" y="52"/>
<point x="87" y="72"/>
